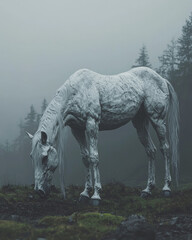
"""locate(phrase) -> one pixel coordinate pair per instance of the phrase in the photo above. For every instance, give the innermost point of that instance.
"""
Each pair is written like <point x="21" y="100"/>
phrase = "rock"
<point x="177" y="228"/>
<point x="30" y="196"/>
<point x="15" y="218"/>
<point x="135" y="228"/>
<point x="174" y="220"/>
<point x="70" y="220"/>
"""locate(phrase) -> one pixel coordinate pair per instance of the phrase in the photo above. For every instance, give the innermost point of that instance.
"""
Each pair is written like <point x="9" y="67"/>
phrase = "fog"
<point x="43" y="42"/>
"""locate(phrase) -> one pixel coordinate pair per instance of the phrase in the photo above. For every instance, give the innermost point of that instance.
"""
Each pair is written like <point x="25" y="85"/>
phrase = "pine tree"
<point x="185" y="49"/>
<point x="43" y="106"/>
<point x="38" y="118"/>
<point x="30" y="120"/>
<point x="18" y="142"/>
<point x="143" y="59"/>
<point x="169" y="61"/>
<point x="184" y="91"/>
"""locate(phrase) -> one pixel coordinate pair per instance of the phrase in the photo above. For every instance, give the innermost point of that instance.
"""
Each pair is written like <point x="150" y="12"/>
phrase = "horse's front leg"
<point x="81" y="139"/>
<point x="92" y="130"/>
<point x="88" y="183"/>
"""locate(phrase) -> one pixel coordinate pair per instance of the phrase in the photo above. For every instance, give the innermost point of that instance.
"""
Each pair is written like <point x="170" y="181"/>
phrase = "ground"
<point x="24" y="215"/>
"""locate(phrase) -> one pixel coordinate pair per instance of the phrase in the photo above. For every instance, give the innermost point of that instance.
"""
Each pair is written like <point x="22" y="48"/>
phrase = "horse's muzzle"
<point x="41" y="193"/>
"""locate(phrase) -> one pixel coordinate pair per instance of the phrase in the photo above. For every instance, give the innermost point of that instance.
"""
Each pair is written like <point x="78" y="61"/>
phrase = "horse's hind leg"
<point x="160" y="126"/>
<point x="81" y="139"/>
<point x="141" y="123"/>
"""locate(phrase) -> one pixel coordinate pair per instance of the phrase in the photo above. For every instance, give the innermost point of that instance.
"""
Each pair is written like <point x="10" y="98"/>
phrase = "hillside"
<point x="24" y="215"/>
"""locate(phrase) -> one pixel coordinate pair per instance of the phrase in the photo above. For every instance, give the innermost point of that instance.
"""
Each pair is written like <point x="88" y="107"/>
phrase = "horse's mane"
<point x="53" y="119"/>
<point x="53" y="110"/>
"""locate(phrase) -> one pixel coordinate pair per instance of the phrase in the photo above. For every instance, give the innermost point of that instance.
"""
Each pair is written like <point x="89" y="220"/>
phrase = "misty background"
<point x="43" y="42"/>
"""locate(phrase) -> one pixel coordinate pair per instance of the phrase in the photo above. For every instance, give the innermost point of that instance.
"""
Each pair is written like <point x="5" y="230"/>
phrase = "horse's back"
<point x="150" y="78"/>
<point x="156" y="90"/>
<point x="142" y="78"/>
<point x="115" y="99"/>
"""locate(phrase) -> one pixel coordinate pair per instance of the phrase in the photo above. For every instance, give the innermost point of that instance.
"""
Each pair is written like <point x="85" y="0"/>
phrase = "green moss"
<point x="98" y="224"/>
<point x="91" y="225"/>
<point x="78" y="221"/>
<point x="12" y="193"/>
<point x="53" y="221"/>
<point x="13" y="230"/>
<point x="77" y="226"/>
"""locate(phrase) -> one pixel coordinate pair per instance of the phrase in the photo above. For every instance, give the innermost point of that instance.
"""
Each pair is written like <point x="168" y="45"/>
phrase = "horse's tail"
<point x="173" y="129"/>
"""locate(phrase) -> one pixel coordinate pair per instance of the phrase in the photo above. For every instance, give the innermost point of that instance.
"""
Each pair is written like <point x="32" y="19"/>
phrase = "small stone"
<point x="167" y="234"/>
<point x="174" y="220"/>
<point x="15" y="217"/>
<point x="71" y="221"/>
<point x="30" y="196"/>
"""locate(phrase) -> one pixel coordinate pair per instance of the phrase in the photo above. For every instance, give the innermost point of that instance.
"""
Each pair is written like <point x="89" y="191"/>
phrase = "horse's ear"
<point x="29" y="135"/>
<point x="43" y="138"/>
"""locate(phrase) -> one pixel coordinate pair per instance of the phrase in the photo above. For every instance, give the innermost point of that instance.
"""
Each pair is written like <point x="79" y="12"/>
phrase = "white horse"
<point x="89" y="102"/>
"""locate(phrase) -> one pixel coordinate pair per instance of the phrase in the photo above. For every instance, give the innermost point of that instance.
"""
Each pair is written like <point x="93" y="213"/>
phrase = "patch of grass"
<point x="91" y="225"/>
<point x="77" y="226"/>
<point x="15" y="193"/>
<point x="53" y="221"/>
<point x="67" y="219"/>
<point x="13" y="230"/>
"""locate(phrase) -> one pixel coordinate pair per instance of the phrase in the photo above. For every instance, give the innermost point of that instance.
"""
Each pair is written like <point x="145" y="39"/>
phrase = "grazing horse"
<point x="89" y="102"/>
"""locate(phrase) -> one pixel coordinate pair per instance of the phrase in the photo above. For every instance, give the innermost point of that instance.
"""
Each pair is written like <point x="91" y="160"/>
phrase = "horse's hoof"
<point x="145" y="194"/>
<point x="167" y="193"/>
<point x="95" y="202"/>
<point x="83" y="199"/>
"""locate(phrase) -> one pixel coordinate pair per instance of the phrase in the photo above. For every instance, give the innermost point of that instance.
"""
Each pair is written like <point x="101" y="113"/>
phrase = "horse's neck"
<point x="50" y="121"/>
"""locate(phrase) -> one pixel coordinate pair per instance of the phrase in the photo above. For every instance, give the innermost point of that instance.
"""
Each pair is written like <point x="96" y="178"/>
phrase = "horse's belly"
<point x="117" y="114"/>
<point x="120" y="99"/>
<point x="112" y="125"/>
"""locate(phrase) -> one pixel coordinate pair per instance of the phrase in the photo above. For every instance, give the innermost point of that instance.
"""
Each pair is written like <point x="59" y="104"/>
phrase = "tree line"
<point x="30" y="124"/>
<point x="15" y="155"/>
<point x="176" y="59"/>
<point x="175" y="64"/>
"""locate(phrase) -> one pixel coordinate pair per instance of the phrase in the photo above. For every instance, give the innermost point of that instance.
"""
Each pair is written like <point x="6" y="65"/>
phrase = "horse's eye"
<point x="44" y="160"/>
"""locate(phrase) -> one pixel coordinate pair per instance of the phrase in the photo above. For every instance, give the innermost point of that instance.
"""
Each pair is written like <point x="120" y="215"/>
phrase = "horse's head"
<point x="45" y="161"/>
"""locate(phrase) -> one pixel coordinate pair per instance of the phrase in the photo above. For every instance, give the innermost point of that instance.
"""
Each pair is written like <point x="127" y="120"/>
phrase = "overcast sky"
<point x="42" y="42"/>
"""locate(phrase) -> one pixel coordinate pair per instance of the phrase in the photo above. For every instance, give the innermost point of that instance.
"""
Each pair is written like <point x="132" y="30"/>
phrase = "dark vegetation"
<point x="24" y="215"/>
